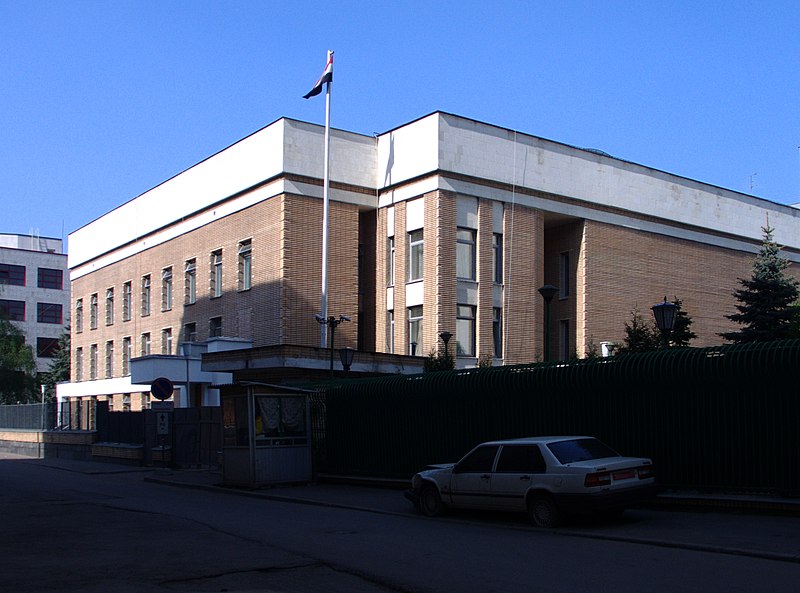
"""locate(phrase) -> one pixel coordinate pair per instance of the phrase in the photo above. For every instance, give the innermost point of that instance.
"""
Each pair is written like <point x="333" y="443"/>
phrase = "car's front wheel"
<point x="543" y="511"/>
<point x="430" y="503"/>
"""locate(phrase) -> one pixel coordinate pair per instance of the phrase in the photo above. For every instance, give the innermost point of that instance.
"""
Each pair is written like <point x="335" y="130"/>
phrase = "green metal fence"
<point x="712" y="418"/>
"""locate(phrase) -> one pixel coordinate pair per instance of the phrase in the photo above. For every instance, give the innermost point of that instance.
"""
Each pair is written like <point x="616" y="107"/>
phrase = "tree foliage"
<point x="640" y="335"/>
<point x="59" y="368"/>
<point x="681" y="333"/>
<point x="17" y="366"/>
<point x="439" y="360"/>
<point x="765" y="300"/>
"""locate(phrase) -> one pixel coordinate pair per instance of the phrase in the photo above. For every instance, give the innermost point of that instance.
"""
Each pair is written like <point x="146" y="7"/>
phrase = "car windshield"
<point x="580" y="450"/>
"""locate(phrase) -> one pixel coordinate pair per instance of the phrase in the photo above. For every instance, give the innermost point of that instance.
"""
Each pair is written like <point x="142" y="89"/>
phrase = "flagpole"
<point x="323" y="336"/>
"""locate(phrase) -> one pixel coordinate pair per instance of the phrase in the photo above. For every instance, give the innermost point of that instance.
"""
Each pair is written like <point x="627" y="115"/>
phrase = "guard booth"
<point x="266" y="434"/>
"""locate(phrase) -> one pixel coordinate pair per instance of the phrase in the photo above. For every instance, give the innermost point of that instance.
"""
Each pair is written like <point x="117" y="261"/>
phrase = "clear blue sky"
<point x="102" y="100"/>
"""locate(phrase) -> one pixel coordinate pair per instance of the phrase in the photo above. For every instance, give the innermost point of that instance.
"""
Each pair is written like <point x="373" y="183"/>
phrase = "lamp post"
<point x="332" y="322"/>
<point x="346" y="356"/>
<point x="446" y="335"/>
<point x="548" y="291"/>
<point x="665" y="318"/>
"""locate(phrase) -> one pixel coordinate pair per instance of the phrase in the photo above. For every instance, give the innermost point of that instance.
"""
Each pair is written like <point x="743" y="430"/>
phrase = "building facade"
<point x="34" y="292"/>
<point x="443" y="224"/>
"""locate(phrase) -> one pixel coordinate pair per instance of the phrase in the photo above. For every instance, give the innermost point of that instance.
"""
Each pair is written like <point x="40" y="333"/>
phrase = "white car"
<point x="546" y="476"/>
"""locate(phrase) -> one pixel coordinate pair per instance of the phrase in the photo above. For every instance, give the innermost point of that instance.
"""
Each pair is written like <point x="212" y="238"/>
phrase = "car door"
<point x="517" y="467"/>
<point x="471" y="480"/>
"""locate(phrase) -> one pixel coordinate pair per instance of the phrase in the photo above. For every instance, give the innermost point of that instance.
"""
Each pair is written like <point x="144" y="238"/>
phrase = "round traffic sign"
<point x="161" y="388"/>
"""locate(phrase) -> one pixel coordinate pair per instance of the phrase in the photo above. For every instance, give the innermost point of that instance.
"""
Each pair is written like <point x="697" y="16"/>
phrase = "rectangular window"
<point x="390" y="253"/>
<point x="563" y="340"/>
<point x="497" y="258"/>
<point x="497" y="331"/>
<point x="127" y="301"/>
<point x="93" y="362"/>
<point x="12" y="310"/>
<point x="465" y="254"/>
<point x="78" y="316"/>
<point x="390" y="332"/>
<point x="216" y="273"/>
<point x="166" y="289"/>
<point x="215" y="327"/>
<point x="11" y="274"/>
<point x="79" y="364"/>
<point x="145" y="349"/>
<point x="109" y="359"/>
<point x="415" y="345"/>
<point x="166" y="341"/>
<point x="146" y="290"/>
<point x="245" y="265"/>
<point x="126" y="356"/>
<point x="190" y="282"/>
<point x="49" y="313"/>
<point x="46" y="347"/>
<point x="563" y="274"/>
<point x="416" y="246"/>
<point x="93" y="311"/>
<point x="50" y="278"/>
<point x="465" y="330"/>
<point x="190" y="332"/>
<point x="110" y="306"/>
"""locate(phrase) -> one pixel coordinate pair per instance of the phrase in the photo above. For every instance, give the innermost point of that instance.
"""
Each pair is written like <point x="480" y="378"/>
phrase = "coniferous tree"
<point x="640" y="336"/>
<point x="765" y="300"/>
<point x="59" y="368"/>
<point x="681" y="333"/>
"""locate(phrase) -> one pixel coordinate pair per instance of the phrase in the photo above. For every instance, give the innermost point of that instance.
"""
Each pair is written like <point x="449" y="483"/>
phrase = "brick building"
<point x="442" y="224"/>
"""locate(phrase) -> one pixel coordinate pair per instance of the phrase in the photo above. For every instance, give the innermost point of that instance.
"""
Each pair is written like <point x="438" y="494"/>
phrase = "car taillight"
<point x="646" y="471"/>
<point x="597" y="479"/>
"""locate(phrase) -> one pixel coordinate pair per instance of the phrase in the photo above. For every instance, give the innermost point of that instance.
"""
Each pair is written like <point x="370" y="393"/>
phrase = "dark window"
<point x="480" y="460"/>
<point x="521" y="459"/>
<point x="190" y="332"/>
<point x="46" y="347"/>
<point x="215" y="327"/>
<point x="48" y="313"/>
<point x="12" y="310"/>
<point x="581" y="450"/>
<point x="49" y="278"/>
<point x="11" y="274"/>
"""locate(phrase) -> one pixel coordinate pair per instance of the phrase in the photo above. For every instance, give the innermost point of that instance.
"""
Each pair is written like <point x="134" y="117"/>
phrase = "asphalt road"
<point x="64" y="529"/>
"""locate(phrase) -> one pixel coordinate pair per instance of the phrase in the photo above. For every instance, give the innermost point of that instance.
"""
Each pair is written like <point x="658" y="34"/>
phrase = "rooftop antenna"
<point x="752" y="182"/>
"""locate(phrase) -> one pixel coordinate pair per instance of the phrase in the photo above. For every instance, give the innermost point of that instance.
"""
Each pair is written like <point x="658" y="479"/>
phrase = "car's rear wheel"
<point x="543" y="511"/>
<point x="430" y="503"/>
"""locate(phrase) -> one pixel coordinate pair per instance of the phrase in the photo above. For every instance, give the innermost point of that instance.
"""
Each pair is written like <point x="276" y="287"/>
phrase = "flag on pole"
<point x="327" y="76"/>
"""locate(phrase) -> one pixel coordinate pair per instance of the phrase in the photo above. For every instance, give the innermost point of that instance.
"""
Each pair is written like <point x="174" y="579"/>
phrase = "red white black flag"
<point x="327" y="76"/>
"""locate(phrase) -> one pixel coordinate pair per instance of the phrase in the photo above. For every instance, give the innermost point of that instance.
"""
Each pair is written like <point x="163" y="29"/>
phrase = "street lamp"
<point x="446" y="335"/>
<point x="665" y="314"/>
<point x="346" y="356"/>
<point x="332" y="322"/>
<point x="413" y="348"/>
<point x="548" y="291"/>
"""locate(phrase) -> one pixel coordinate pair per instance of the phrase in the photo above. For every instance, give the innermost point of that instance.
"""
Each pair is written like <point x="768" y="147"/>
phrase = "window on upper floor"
<point x="216" y="273"/>
<point x="166" y="289"/>
<point x="465" y="330"/>
<point x="190" y="332"/>
<point x="127" y="301"/>
<point x="49" y="313"/>
<point x="497" y="331"/>
<point x="564" y="274"/>
<point x="190" y="282"/>
<point x="465" y="254"/>
<point x="245" y="265"/>
<point x="415" y="344"/>
<point x="145" y="345"/>
<point x="497" y="258"/>
<point x="79" y="364"/>
<point x="12" y="310"/>
<point x="416" y="253"/>
<point x="126" y="356"/>
<point x="46" y="347"/>
<point x="215" y="327"/>
<point x="50" y="278"/>
<point x="146" y="295"/>
<point x="390" y="262"/>
<point x="12" y="274"/>
<point x="109" y="359"/>
<point x="93" y="311"/>
<point x="390" y="332"/>
<point x="78" y="316"/>
<point x="166" y="340"/>
<point x="110" y="306"/>
<point x="93" y="362"/>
